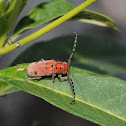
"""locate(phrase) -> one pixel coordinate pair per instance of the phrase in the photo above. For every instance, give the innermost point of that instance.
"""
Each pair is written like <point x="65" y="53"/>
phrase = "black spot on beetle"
<point x="35" y="72"/>
<point x="60" y="67"/>
<point x="51" y="65"/>
<point x="56" y="67"/>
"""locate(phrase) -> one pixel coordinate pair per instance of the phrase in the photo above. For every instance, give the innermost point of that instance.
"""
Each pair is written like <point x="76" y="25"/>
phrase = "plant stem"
<point x="2" y="8"/>
<point x="47" y="28"/>
<point x="11" y="20"/>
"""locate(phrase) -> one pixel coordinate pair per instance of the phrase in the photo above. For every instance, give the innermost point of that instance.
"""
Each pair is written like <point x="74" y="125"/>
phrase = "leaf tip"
<point x="115" y="28"/>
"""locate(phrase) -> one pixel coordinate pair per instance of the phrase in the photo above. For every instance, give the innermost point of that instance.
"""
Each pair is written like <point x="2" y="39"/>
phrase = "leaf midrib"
<point x="5" y="87"/>
<point x="77" y="99"/>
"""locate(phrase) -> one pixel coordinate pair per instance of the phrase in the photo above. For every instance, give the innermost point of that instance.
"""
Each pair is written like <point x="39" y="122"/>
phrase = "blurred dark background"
<point x="23" y="109"/>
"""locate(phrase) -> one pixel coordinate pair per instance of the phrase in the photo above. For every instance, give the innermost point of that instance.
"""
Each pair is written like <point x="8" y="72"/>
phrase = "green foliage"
<point x="9" y="17"/>
<point x="43" y="13"/>
<point x="92" y="17"/>
<point x="99" y="98"/>
<point x="48" y="11"/>
<point x="6" y="88"/>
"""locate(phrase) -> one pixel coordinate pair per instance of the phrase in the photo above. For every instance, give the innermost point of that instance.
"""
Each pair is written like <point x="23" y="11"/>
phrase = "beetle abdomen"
<point x="41" y="68"/>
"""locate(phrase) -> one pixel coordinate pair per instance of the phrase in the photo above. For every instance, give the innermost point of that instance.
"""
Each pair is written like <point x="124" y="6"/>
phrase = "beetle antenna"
<point x="72" y="84"/>
<point x="74" y="47"/>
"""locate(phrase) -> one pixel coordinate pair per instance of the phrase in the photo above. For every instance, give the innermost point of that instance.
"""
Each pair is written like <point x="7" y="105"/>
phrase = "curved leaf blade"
<point x="43" y="13"/>
<point x="48" y="11"/>
<point x="100" y="99"/>
<point x="10" y="6"/>
<point x="6" y="88"/>
<point x="104" y="60"/>
<point x="96" y="18"/>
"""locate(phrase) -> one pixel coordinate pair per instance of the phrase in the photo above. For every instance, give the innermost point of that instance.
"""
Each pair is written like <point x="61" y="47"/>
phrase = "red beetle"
<point x="37" y="70"/>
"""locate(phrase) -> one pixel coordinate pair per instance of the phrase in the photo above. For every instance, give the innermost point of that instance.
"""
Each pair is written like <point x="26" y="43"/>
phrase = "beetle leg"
<point x="68" y="78"/>
<point x="60" y="76"/>
<point x="53" y="76"/>
<point x="72" y="84"/>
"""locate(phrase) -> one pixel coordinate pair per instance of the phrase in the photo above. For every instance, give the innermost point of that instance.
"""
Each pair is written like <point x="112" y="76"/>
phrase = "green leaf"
<point x="24" y="3"/>
<point x="6" y="88"/>
<point x="100" y="99"/>
<point x="92" y="17"/>
<point x="97" y="53"/>
<point x="8" y="19"/>
<point x="2" y="8"/>
<point x="43" y="13"/>
<point x="10" y="2"/>
<point x="48" y="11"/>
